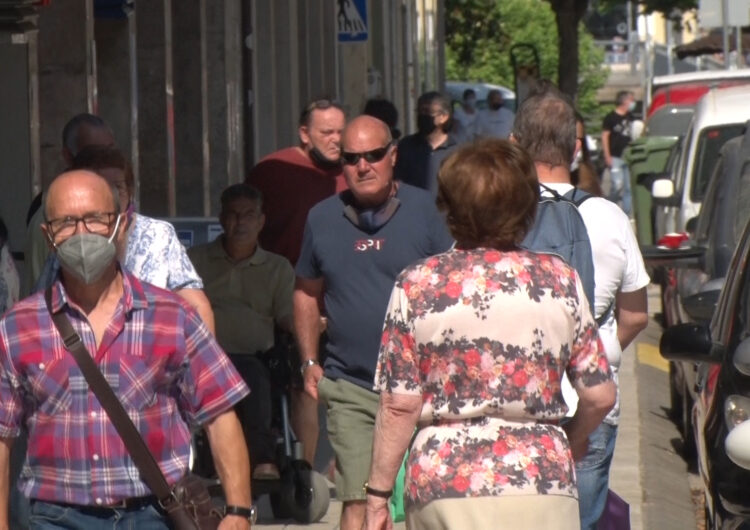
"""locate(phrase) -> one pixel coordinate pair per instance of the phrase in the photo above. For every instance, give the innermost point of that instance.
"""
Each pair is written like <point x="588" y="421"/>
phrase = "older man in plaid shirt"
<point x="152" y="348"/>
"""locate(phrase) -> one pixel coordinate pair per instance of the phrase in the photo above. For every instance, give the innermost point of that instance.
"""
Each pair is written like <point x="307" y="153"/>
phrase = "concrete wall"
<point x="67" y="79"/>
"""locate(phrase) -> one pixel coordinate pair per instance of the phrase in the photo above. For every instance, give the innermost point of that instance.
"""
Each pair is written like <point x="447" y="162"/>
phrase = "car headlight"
<point x="736" y="410"/>
<point x="737" y="445"/>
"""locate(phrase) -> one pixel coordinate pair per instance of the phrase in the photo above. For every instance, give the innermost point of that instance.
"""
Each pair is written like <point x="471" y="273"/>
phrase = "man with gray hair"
<point x="546" y="128"/>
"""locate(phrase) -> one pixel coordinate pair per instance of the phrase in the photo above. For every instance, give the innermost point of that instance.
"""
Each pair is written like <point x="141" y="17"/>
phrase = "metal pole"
<point x="632" y="41"/>
<point x="740" y="55"/>
<point x="670" y="47"/>
<point x="725" y="30"/>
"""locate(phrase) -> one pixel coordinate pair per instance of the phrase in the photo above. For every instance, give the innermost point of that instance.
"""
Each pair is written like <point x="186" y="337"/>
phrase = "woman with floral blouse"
<point x="474" y="346"/>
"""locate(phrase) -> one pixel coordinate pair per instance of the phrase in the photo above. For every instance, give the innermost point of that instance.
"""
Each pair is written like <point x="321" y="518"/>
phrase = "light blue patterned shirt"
<point x="154" y="255"/>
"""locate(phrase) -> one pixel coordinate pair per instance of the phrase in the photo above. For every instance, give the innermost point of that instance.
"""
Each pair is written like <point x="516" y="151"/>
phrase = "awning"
<point x="710" y="44"/>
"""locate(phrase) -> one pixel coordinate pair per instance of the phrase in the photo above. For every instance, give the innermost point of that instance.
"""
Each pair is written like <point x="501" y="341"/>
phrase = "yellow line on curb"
<point x="649" y="354"/>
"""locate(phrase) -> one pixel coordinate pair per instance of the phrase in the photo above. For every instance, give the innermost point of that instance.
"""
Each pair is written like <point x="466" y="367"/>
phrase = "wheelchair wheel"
<point x="303" y="496"/>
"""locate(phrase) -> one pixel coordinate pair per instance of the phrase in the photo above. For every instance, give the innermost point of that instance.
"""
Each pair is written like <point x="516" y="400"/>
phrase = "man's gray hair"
<point x="71" y="129"/>
<point x="546" y="127"/>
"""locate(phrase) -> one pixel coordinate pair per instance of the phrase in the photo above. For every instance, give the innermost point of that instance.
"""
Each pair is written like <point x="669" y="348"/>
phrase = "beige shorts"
<point x="516" y="512"/>
<point x="351" y="422"/>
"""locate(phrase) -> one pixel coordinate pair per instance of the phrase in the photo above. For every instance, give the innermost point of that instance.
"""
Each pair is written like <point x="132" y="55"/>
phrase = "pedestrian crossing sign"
<point x="351" y="20"/>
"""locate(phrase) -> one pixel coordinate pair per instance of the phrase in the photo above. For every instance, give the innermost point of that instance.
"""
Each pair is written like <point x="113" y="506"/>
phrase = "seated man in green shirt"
<point x="250" y="291"/>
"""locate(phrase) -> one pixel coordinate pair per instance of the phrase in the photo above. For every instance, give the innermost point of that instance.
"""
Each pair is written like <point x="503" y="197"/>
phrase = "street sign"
<point x="351" y="20"/>
<point x="709" y="13"/>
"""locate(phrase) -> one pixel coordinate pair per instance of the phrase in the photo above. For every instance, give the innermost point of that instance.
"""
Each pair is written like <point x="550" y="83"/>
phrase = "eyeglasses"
<point x="375" y="155"/>
<point x="94" y="223"/>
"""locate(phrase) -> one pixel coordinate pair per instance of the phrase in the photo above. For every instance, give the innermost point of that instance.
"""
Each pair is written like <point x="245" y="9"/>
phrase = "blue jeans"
<point x="49" y="516"/>
<point x="592" y="475"/>
<point x="619" y="192"/>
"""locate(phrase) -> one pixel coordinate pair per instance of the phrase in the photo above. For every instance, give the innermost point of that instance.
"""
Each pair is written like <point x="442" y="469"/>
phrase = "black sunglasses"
<point x="376" y="155"/>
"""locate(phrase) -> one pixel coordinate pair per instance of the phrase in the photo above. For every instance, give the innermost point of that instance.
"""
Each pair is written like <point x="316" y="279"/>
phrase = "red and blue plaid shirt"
<point x="159" y="358"/>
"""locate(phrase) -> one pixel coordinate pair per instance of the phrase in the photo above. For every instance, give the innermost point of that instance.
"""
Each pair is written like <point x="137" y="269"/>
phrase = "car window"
<point x="669" y="122"/>
<point x="710" y="141"/>
<point x="708" y="207"/>
<point x="684" y="149"/>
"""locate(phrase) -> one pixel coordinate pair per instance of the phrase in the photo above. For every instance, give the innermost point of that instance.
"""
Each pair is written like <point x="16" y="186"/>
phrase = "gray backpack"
<point x="559" y="229"/>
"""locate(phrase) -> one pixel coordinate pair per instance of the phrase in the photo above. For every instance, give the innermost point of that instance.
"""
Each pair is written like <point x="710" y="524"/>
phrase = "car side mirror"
<point x="662" y="188"/>
<point x="700" y="307"/>
<point x="688" y="342"/>
<point x="663" y="193"/>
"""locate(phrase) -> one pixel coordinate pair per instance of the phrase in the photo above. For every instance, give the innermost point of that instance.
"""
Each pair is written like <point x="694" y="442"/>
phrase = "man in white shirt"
<point x="495" y="121"/>
<point x="620" y="298"/>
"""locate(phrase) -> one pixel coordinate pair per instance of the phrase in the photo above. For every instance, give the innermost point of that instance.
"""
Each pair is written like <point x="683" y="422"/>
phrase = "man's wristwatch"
<point x="251" y="513"/>
<point x="307" y="364"/>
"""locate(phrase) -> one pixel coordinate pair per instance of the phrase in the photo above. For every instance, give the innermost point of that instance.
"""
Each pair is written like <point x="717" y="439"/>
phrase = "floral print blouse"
<point x="484" y="337"/>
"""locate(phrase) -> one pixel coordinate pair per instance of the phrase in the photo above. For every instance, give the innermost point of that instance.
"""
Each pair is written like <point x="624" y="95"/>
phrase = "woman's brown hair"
<point x="489" y="192"/>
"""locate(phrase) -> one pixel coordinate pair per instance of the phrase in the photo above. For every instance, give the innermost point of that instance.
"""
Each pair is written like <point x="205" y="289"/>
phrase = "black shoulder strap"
<point x="577" y="196"/>
<point x="552" y="192"/>
<point x="139" y="452"/>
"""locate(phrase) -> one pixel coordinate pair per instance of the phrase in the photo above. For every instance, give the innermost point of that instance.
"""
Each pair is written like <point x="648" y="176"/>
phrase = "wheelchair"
<point x="300" y="493"/>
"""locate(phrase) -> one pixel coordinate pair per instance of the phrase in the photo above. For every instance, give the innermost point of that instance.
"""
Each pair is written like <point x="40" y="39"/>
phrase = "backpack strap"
<point x="552" y="192"/>
<point x="577" y="196"/>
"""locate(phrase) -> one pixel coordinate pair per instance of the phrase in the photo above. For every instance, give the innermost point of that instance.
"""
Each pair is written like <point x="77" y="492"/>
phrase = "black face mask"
<point x="496" y="106"/>
<point x="425" y="124"/>
<point x="321" y="161"/>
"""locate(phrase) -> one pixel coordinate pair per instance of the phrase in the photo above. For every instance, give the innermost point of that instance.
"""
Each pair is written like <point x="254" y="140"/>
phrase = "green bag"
<point x="398" y="513"/>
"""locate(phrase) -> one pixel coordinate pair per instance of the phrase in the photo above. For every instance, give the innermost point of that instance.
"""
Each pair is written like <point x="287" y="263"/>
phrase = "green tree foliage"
<point x="479" y="34"/>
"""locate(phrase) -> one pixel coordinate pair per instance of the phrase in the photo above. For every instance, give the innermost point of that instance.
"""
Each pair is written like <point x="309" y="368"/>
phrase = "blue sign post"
<point x="351" y="20"/>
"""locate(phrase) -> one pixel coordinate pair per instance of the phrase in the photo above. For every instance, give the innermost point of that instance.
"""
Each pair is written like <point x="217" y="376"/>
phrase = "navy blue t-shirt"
<point x="359" y="269"/>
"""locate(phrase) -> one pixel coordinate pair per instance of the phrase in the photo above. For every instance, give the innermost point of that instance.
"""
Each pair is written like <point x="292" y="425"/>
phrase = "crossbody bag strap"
<point x="139" y="452"/>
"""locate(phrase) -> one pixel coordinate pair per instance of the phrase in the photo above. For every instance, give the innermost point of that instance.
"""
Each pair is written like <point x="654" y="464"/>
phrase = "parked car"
<point x="721" y="351"/>
<point x="687" y="88"/>
<point x="455" y="89"/>
<point x="720" y="115"/>
<point x="692" y="293"/>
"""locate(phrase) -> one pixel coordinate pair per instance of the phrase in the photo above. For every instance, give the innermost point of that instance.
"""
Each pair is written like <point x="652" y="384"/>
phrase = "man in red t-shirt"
<point x="295" y="179"/>
<point x="292" y="181"/>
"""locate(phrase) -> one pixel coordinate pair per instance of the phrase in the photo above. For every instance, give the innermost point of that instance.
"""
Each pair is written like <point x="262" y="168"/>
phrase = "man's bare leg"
<point x="305" y="422"/>
<point x="353" y="515"/>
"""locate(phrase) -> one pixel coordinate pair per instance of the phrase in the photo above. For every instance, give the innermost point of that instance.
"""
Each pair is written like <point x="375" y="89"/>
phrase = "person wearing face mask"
<point x="149" y="247"/>
<point x="163" y="363"/>
<point x="420" y="154"/>
<point x="466" y="114"/>
<point x="293" y="180"/>
<point x="616" y="135"/>
<point x="354" y="246"/>
<point x="495" y="121"/>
